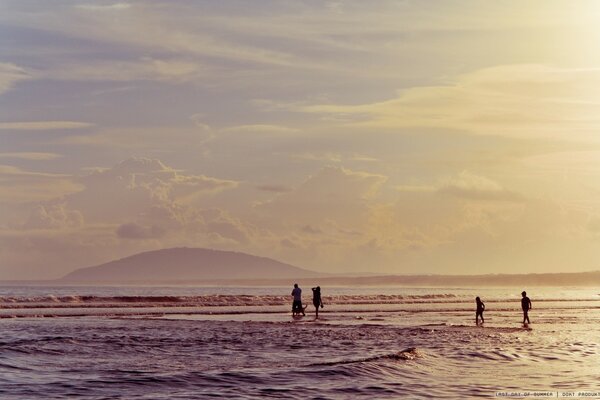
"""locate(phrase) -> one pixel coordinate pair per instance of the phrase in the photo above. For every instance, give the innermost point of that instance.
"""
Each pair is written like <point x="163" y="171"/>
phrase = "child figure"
<point x="480" y="309"/>
<point x="525" y="306"/>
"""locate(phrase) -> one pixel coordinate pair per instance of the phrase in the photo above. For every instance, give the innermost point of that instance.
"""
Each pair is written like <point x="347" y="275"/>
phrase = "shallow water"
<point x="423" y="343"/>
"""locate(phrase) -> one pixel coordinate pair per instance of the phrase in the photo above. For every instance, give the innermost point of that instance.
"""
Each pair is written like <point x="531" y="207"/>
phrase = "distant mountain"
<point x="179" y="265"/>
<point x="198" y="266"/>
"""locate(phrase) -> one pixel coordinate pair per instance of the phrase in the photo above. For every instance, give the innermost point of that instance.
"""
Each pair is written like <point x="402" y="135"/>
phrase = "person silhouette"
<point x="297" y="303"/>
<point x="480" y="309"/>
<point x="525" y="306"/>
<point x="317" y="302"/>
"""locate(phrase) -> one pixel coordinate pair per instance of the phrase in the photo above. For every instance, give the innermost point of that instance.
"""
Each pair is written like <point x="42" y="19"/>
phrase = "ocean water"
<point x="242" y="343"/>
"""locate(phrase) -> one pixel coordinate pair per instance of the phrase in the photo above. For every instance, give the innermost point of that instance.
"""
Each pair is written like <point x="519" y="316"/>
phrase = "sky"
<point x="401" y="137"/>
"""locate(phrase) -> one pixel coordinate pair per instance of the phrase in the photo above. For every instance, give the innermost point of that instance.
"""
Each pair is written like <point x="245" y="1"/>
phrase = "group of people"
<point x="525" y="306"/>
<point x="297" y="307"/>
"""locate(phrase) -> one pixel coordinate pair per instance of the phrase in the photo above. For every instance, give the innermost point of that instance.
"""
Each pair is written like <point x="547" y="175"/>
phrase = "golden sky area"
<point x="395" y="137"/>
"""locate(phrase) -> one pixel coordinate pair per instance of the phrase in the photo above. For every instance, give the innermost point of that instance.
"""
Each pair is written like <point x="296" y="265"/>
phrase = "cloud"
<point x="21" y="186"/>
<point x="55" y="216"/>
<point x="137" y="184"/>
<point x="143" y="138"/>
<point x="107" y="7"/>
<point x="474" y="187"/>
<point x="10" y="74"/>
<point x="334" y="193"/>
<point x="288" y="243"/>
<point x="426" y="218"/>
<point x="593" y="224"/>
<point x="337" y="183"/>
<point x="261" y="129"/>
<point x="416" y="188"/>
<point x="327" y="77"/>
<point x="332" y="157"/>
<point x="43" y="125"/>
<point x="274" y="188"/>
<point x="34" y="156"/>
<point x="137" y="205"/>
<point x="328" y="157"/>
<point x="219" y="222"/>
<point x="311" y="230"/>
<point x="40" y="253"/>
<point x="143" y="69"/>
<point x="528" y="101"/>
<point x="133" y="230"/>
<point x="180" y="30"/>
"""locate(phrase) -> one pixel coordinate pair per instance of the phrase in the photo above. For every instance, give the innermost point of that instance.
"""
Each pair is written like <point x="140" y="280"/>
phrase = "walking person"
<point x="525" y="306"/>
<point x="317" y="302"/>
<point x="480" y="309"/>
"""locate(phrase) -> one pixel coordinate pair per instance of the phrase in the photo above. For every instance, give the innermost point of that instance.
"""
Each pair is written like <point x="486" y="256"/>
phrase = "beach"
<point x="177" y="343"/>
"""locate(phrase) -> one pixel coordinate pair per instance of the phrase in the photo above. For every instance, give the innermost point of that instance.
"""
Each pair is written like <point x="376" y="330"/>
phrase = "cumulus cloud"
<point x="323" y="217"/>
<point x="333" y="193"/>
<point x="219" y="222"/>
<point x="423" y="217"/>
<point x="138" y="184"/>
<point x="148" y="200"/>
<point x="56" y="216"/>
<point x="137" y="205"/>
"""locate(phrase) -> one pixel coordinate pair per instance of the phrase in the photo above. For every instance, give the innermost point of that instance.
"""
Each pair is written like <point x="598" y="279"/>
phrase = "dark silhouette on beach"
<point x="480" y="309"/>
<point x="297" y="303"/>
<point x="526" y="306"/>
<point x="317" y="302"/>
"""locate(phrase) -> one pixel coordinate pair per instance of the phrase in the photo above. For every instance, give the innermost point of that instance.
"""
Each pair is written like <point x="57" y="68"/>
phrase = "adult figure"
<point x="525" y="306"/>
<point x="480" y="309"/>
<point x="317" y="302"/>
<point x="297" y="303"/>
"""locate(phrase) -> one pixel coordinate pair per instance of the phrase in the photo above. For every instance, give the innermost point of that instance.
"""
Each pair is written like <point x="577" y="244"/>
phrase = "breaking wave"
<point x="408" y="354"/>
<point x="238" y="300"/>
<point x="204" y="300"/>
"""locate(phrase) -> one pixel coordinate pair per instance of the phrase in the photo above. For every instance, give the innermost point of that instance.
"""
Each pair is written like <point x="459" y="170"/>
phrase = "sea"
<point x="188" y="342"/>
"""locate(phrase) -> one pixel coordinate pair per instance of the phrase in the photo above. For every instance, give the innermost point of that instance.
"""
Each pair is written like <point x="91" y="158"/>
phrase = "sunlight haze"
<point x="394" y="137"/>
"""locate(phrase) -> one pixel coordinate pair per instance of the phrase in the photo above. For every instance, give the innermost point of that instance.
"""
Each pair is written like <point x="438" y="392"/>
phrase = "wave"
<point x="408" y="354"/>
<point x="218" y="300"/>
<point x="204" y="300"/>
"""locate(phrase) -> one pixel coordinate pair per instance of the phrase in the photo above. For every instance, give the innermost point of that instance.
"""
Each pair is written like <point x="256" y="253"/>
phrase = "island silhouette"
<point x="185" y="265"/>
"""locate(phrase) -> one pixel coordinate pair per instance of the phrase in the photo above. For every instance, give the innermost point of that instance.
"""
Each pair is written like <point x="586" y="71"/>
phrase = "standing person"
<point x="317" y="300"/>
<point x="297" y="303"/>
<point x="480" y="309"/>
<point x="525" y="306"/>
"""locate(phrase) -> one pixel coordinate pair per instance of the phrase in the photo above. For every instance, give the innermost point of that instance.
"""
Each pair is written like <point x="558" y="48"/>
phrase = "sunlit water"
<point x="372" y="343"/>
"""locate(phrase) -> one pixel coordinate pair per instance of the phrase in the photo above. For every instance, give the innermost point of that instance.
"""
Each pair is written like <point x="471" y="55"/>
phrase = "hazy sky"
<point x="382" y="136"/>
